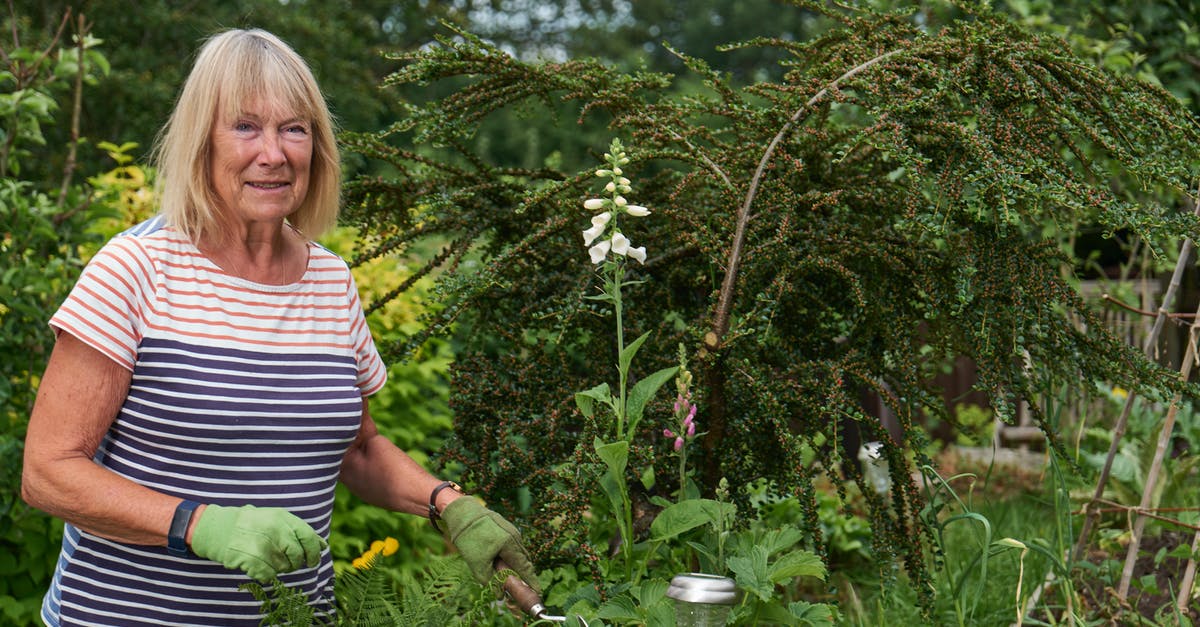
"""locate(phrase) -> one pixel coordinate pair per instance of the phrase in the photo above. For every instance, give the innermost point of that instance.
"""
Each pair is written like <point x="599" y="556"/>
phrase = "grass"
<point x="997" y="532"/>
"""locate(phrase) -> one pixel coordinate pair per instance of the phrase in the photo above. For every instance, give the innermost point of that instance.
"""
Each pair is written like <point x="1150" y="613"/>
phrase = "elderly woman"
<point x="208" y="387"/>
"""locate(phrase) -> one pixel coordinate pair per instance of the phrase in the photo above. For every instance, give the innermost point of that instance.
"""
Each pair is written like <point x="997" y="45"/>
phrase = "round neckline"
<point x="266" y="287"/>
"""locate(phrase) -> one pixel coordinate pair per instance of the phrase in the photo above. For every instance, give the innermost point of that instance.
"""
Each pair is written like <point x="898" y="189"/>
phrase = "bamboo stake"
<point x="1185" y="251"/>
<point x="1092" y="512"/>
<point x="1189" y="577"/>
<point x="1164" y="440"/>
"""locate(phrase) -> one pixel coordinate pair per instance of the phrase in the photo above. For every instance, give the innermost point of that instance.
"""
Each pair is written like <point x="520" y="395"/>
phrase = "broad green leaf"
<point x="586" y="400"/>
<point x="815" y="614"/>
<point x="627" y="352"/>
<point x="681" y="518"/>
<point x="642" y="392"/>
<point x="622" y="608"/>
<point x="750" y="571"/>
<point x="781" y="539"/>
<point x="797" y="564"/>
<point x="614" y="454"/>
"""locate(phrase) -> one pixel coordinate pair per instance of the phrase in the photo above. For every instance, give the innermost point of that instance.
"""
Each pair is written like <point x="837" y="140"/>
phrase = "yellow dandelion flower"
<point x="361" y="563"/>
<point x="377" y="546"/>
<point x="390" y="545"/>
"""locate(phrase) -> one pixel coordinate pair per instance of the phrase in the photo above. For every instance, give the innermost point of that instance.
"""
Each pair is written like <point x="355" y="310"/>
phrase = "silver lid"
<point x="703" y="588"/>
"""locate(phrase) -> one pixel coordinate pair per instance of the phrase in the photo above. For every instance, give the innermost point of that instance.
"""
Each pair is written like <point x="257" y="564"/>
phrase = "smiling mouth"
<point x="268" y="185"/>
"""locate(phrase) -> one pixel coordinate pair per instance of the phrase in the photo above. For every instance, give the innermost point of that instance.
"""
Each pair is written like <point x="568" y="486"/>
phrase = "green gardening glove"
<point x="262" y="542"/>
<point x="482" y="536"/>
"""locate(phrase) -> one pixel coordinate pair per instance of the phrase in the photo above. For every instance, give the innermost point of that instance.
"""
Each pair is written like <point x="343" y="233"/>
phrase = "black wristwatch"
<point x="434" y="516"/>
<point x="177" y="536"/>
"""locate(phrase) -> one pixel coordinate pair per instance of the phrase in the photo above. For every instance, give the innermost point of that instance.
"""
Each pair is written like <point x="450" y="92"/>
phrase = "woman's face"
<point x="260" y="163"/>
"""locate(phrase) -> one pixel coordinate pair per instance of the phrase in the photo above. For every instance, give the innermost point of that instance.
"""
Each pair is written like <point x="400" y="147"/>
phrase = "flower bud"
<point x="593" y="204"/>
<point x="620" y="201"/>
<point x="603" y="172"/>
<point x="637" y="211"/>
<point x="678" y="443"/>
<point x="611" y="187"/>
<point x="616" y="171"/>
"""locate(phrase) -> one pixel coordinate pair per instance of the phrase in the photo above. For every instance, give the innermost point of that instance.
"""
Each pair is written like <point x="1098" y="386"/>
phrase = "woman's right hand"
<point x="260" y="541"/>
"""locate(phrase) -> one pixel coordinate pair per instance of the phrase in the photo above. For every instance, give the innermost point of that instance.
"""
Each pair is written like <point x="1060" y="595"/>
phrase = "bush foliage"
<point x="899" y="187"/>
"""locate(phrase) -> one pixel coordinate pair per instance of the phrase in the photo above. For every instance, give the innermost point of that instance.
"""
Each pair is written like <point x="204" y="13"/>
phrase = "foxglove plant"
<point x="609" y="248"/>
<point x="685" y="422"/>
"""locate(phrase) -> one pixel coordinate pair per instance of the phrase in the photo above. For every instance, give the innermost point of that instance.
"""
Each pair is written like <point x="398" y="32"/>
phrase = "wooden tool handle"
<point x="520" y="592"/>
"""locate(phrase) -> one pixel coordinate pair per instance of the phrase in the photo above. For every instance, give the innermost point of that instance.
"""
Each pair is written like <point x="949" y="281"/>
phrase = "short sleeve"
<point x="371" y="371"/>
<point x="106" y="307"/>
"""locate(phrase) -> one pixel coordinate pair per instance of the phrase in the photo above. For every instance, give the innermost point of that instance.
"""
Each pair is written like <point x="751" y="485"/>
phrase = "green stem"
<point x="682" y="473"/>
<point x="618" y="277"/>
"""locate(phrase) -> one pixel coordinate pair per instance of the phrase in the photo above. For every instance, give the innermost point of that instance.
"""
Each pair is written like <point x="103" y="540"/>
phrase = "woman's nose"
<point x="270" y="151"/>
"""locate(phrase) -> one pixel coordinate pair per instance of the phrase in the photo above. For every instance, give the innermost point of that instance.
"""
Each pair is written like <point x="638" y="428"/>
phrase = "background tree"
<point x="813" y="235"/>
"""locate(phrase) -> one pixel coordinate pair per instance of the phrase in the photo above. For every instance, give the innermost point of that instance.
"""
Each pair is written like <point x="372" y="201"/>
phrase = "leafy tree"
<point x="152" y="45"/>
<point x="809" y="236"/>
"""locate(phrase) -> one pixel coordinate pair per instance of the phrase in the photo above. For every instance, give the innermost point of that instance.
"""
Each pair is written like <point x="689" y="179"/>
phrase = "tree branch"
<point x="725" y="302"/>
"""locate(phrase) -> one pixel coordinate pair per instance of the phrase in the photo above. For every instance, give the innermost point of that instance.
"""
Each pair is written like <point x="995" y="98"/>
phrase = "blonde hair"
<point x="234" y="68"/>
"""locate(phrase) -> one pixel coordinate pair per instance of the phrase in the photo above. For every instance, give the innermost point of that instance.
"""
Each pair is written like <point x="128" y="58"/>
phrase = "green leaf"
<point x="643" y="391"/>
<point x="614" y="454"/>
<point x="815" y="614"/>
<point x="683" y="517"/>
<point x="621" y="608"/>
<point x="586" y="400"/>
<point x="750" y="571"/>
<point x="629" y="351"/>
<point x="797" y="564"/>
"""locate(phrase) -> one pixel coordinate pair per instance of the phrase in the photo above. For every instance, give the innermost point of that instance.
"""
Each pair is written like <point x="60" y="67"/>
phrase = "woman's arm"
<point x="80" y="395"/>
<point x="381" y="474"/>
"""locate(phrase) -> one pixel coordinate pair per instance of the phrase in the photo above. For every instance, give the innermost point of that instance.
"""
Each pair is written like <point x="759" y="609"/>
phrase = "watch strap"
<point x="177" y="536"/>
<point x="434" y="516"/>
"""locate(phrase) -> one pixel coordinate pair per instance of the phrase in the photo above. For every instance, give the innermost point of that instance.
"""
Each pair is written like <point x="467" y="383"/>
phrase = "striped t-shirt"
<point x="241" y="393"/>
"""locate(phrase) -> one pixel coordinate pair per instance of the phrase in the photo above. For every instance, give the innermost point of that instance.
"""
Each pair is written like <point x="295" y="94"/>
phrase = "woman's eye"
<point x="298" y="130"/>
<point x="243" y="127"/>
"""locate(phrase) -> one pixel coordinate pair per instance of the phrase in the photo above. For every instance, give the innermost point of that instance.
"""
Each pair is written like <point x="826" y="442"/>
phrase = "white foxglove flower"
<point x="616" y="171"/>
<point x="638" y="253"/>
<point x="601" y="218"/>
<point x="637" y="211"/>
<point x="620" y="201"/>
<point x="599" y="251"/>
<point x="620" y="244"/>
<point x="611" y="187"/>
<point x="593" y="204"/>
<point x="603" y="173"/>
<point x="622" y="181"/>
<point x="591" y="234"/>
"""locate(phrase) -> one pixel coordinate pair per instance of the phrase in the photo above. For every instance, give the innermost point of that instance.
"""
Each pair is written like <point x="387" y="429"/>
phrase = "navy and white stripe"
<point x="240" y="394"/>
